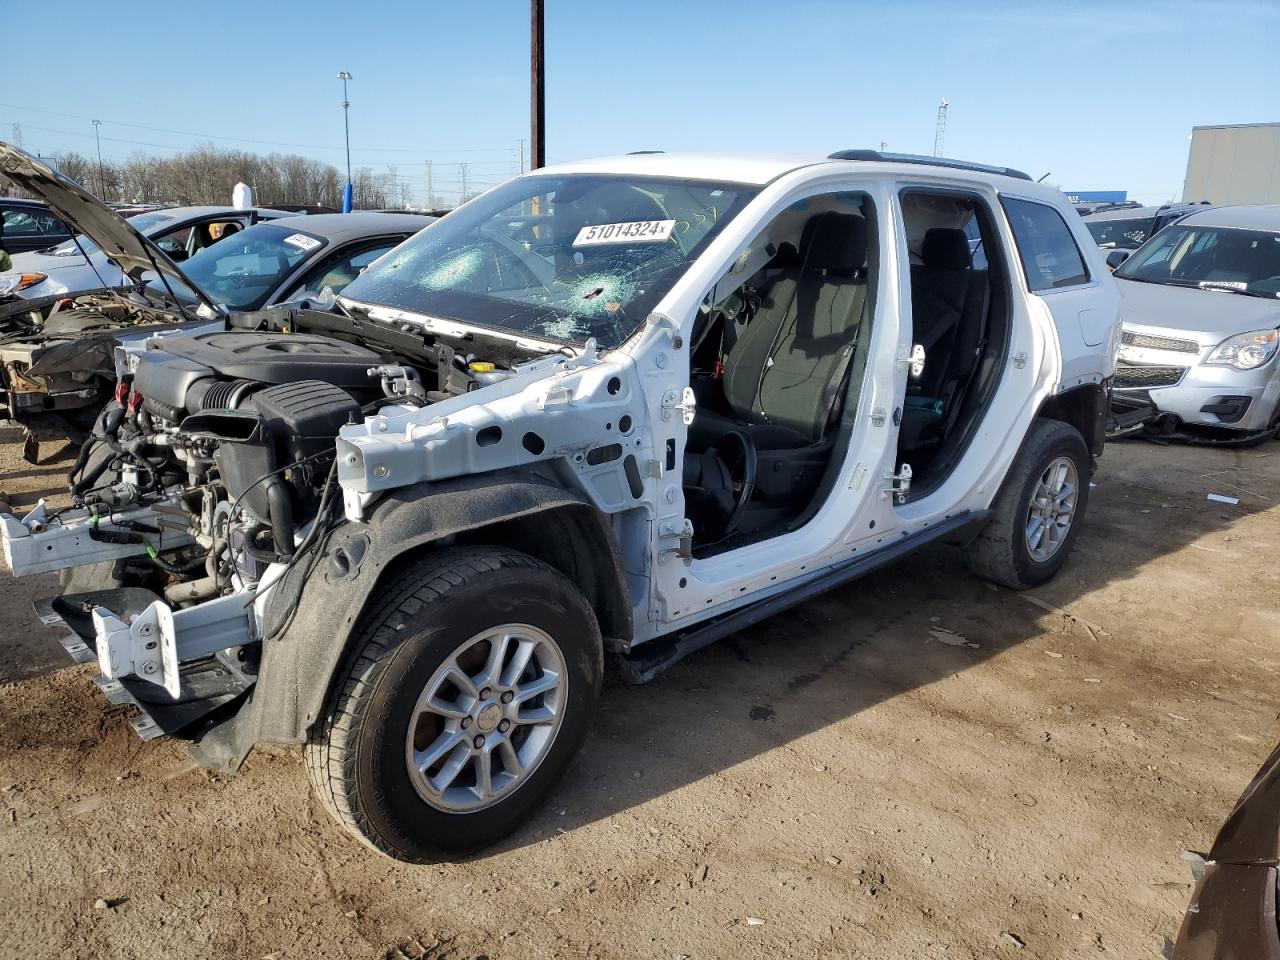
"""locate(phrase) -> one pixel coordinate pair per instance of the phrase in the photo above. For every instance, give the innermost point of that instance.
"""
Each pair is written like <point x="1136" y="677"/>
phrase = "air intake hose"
<point x="280" y="513"/>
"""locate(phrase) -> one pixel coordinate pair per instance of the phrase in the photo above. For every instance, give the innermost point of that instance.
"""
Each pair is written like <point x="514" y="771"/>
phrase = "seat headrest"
<point x="835" y="243"/>
<point x="946" y="248"/>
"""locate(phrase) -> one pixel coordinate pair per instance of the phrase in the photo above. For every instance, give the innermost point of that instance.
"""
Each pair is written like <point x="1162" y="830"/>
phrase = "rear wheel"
<point x="465" y="697"/>
<point x="1037" y="513"/>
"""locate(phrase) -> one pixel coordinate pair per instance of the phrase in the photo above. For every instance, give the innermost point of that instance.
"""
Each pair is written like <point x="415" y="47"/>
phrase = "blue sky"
<point x="1100" y="95"/>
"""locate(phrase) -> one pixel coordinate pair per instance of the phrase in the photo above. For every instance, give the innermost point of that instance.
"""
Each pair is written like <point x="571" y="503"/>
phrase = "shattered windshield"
<point x="558" y="257"/>
<point x="1247" y="261"/>
<point x="144" y="223"/>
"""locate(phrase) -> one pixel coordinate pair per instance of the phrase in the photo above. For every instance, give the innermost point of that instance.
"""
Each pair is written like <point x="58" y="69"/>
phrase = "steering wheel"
<point x="745" y="474"/>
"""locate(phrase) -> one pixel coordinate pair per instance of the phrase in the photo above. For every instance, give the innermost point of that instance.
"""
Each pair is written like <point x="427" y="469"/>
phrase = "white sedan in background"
<point x="180" y="232"/>
<point x="1202" y="325"/>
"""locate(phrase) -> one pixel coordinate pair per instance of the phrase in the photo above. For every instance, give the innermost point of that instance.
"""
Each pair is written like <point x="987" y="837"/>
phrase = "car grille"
<point x="1128" y="375"/>
<point x="1158" y="343"/>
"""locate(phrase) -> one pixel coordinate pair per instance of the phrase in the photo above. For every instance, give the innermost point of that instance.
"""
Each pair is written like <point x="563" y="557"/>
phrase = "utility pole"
<point x="431" y="200"/>
<point x="941" y="132"/>
<point x="17" y="135"/>
<point x="522" y="156"/>
<point x="538" y="92"/>
<point x="102" y="180"/>
<point x="344" y="76"/>
<point x="883" y="144"/>
<point x="462" y="175"/>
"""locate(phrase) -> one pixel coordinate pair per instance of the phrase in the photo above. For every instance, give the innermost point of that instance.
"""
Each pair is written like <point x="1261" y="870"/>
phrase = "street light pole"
<point x="102" y="180"/>
<point x="344" y="76"/>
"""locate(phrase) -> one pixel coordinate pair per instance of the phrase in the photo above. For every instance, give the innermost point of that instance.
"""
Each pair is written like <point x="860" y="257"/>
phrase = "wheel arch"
<point x="1085" y="408"/>
<point x="318" y="609"/>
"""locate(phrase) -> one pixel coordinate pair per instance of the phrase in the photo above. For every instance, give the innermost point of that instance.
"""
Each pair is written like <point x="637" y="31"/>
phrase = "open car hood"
<point x="126" y="247"/>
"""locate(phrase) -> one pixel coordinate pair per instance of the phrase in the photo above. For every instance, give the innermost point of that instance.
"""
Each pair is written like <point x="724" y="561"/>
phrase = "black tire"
<point x="356" y="754"/>
<point x="1000" y="553"/>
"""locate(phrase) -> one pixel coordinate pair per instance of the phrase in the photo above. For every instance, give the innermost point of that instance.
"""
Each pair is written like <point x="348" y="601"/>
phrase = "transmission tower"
<point x="464" y="170"/>
<point x="431" y="189"/>
<point x="17" y="135"/>
<point x="941" y="133"/>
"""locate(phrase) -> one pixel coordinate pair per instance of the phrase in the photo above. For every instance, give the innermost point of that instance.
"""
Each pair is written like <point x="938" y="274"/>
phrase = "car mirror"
<point x="1116" y="257"/>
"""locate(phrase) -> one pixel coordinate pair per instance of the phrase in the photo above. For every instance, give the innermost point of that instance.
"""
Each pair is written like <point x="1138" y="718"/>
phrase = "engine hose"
<point x="177" y="569"/>
<point x="86" y="482"/>
<point x="280" y="511"/>
<point x="193" y="591"/>
<point x="109" y="421"/>
<point x="215" y="551"/>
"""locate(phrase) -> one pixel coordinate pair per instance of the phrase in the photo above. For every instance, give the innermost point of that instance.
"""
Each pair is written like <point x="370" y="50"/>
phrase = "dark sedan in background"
<point x="27" y="225"/>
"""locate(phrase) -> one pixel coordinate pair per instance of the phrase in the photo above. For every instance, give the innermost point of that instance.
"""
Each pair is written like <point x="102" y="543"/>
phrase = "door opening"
<point x="960" y="317"/>
<point x="779" y="344"/>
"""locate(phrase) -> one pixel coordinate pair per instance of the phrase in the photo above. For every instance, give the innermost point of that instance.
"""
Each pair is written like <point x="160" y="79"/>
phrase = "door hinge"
<point x="681" y="530"/>
<point x="899" y="484"/>
<point x="1019" y="360"/>
<point x="682" y="402"/>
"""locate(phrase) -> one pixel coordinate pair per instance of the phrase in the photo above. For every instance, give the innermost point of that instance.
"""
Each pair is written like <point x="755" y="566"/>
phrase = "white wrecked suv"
<point x="625" y="406"/>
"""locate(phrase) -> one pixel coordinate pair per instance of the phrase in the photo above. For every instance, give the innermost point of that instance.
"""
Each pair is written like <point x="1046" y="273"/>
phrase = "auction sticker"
<point x="302" y="241"/>
<point x="637" y="231"/>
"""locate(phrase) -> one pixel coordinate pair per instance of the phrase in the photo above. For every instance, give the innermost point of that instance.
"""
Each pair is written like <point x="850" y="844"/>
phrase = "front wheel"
<point x="1037" y="513"/>
<point x="466" y="695"/>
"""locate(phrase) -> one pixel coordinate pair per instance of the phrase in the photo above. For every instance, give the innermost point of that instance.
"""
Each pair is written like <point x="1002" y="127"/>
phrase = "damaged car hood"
<point x="128" y="249"/>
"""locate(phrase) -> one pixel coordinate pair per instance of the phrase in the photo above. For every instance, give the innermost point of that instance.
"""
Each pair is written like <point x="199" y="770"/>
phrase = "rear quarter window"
<point x="1048" y="251"/>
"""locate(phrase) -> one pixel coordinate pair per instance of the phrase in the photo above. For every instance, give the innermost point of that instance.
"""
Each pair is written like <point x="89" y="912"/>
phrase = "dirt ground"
<point x="847" y="780"/>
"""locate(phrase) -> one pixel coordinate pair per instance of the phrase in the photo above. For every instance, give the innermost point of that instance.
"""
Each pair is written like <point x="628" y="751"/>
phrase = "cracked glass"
<point x="565" y="257"/>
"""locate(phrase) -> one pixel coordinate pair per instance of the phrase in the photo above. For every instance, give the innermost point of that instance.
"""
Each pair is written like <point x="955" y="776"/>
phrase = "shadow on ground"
<point x="842" y="653"/>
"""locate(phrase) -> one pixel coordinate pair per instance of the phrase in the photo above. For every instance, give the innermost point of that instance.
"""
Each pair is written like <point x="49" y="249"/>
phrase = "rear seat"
<point x="949" y="302"/>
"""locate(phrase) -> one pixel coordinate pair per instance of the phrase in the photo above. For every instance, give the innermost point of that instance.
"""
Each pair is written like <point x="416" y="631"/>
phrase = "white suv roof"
<point x="762" y="168"/>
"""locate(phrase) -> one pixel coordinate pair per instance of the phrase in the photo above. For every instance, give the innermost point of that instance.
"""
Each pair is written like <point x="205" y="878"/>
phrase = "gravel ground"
<point x="917" y="765"/>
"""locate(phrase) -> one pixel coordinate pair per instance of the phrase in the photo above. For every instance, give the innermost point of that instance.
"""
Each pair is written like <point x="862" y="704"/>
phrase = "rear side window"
<point x="1048" y="252"/>
<point x="32" y="222"/>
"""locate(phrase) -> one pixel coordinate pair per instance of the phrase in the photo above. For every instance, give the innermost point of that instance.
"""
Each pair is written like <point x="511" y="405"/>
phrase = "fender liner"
<point x="1084" y="407"/>
<point x="319" y="605"/>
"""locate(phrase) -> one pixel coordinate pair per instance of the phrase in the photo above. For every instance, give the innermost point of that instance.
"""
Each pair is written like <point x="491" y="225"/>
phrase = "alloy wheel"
<point x="486" y="718"/>
<point x="1052" y="509"/>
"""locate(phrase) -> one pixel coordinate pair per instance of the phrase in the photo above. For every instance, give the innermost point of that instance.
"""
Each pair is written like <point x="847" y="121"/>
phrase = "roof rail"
<point x="877" y="155"/>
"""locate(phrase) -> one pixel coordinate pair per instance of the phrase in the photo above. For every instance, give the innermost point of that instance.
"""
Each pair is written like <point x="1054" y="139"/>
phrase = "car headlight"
<point x="19" y="281"/>
<point x="1245" y="351"/>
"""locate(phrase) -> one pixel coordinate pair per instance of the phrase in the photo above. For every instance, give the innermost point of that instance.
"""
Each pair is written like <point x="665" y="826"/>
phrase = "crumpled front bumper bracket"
<point x="154" y="645"/>
<point x="206" y="684"/>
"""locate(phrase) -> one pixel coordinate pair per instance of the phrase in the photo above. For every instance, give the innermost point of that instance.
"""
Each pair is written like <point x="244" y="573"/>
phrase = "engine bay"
<point x="212" y="472"/>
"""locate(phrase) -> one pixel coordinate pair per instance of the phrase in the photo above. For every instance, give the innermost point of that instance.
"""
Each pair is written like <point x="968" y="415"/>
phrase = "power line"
<point x="218" y="137"/>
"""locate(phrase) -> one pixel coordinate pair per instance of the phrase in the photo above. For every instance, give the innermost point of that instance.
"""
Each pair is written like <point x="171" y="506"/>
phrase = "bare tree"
<point x="207" y="174"/>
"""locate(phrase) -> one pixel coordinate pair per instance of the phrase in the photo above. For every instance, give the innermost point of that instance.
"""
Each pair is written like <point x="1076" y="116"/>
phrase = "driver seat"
<point x="785" y="376"/>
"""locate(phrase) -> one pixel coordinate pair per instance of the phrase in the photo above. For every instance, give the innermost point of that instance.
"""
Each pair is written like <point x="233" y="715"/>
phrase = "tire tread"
<point x="991" y="555"/>
<point x="329" y="754"/>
